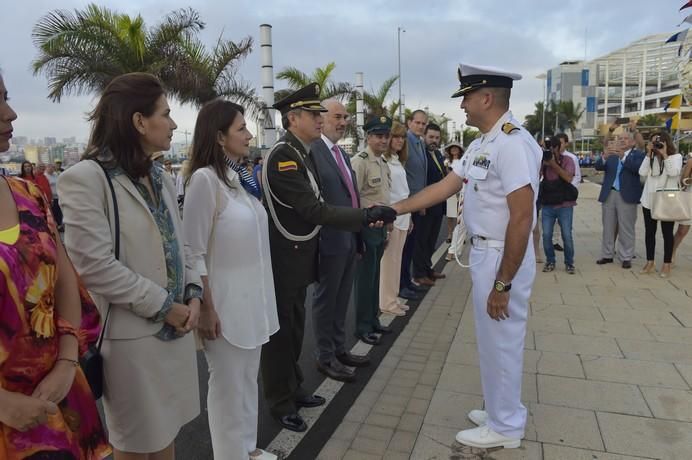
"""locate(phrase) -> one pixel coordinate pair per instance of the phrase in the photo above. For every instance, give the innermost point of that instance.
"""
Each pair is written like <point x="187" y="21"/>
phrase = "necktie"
<point x="616" y="182"/>
<point x="346" y="175"/>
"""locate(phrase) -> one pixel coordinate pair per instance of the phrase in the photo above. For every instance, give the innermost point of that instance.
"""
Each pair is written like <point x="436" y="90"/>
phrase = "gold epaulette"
<point x="509" y="128"/>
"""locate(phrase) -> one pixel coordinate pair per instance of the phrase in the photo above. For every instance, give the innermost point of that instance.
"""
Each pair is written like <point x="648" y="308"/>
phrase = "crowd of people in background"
<point x="165" y="253"/>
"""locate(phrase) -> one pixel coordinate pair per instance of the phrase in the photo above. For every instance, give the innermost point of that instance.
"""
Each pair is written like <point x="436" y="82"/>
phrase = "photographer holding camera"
<point x="558" y="198"/>
<point x="620" y="194"/>
<point x="662" y="166"/>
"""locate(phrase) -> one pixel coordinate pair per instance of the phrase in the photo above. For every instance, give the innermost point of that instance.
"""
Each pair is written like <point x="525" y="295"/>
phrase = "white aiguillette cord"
<point x="271" y="197"/>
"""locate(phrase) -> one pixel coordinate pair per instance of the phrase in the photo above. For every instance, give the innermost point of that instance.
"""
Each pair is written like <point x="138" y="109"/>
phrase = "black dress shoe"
<point x="310" y="401"/>
<point x="293" y="422"/>
<point x="626" y="264"/>
<point x="349" y="359"/>
<point x="380" y="329"/>
<point x="370" y="338"/>
<point x="604" y="261"/>
<point x="409" y="294"/>
<point x="557" y="247"/>
<point x="342" y="375"/>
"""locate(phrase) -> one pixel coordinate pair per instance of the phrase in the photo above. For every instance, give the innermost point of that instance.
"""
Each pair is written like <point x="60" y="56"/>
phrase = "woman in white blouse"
<point x="226" y="229"/>
<point x="390" y="265"/>
<point x="661" y="168"/>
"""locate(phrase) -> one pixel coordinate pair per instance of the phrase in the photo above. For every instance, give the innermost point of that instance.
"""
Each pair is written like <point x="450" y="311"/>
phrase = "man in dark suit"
<point x="430" y="223"/>
<point x="291" y="189"/>
<point x="620" y="194"/>
<point x="337" y="250"/>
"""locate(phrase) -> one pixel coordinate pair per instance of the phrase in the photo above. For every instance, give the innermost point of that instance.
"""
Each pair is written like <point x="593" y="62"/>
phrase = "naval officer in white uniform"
<point x="501" y="172"/>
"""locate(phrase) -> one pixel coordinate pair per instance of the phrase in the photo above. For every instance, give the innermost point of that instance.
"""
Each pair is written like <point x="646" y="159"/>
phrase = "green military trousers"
<point x="367" y="281"/>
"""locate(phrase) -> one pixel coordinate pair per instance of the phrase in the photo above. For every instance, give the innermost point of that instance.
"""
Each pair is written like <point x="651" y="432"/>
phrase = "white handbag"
<point x="671" y="204"/>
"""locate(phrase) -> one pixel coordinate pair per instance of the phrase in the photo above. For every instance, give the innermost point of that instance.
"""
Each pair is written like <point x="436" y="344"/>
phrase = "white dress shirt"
<point x="398" y="189"/>
<point x="576" y="179"/>
<point x="330" y="145"/>
<point x="228" y="235"/>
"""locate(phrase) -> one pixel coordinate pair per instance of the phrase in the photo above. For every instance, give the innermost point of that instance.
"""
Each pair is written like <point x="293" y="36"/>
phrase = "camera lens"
<point x="658" y="144"/>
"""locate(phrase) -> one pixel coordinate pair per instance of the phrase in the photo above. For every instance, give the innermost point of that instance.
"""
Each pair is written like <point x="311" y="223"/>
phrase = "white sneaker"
<point x="484" y="437"/>
<point x="479" y="417"/>
<point x="264" y="455"/>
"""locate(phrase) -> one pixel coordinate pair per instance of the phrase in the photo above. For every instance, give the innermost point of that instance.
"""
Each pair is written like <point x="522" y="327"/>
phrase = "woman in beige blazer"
<point x="153" y="295"/>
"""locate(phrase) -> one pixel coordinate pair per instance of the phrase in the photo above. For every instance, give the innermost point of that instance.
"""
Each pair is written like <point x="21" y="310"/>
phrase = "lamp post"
<point x="398" y="48"/>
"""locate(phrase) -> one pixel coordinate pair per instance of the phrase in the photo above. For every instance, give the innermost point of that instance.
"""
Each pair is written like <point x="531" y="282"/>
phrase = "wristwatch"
<point x="501" y="286"/>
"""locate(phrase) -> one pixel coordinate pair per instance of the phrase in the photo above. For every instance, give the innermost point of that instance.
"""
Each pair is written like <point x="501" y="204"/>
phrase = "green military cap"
<point x="306" y="98"/>
<point x="379" y="124"/>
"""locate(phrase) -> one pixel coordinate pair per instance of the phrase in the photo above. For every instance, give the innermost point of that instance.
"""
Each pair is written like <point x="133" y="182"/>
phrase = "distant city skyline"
<point x="528" y="38"/>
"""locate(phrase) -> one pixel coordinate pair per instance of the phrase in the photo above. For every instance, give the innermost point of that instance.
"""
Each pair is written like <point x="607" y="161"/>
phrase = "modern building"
<point x="637" y="80"/>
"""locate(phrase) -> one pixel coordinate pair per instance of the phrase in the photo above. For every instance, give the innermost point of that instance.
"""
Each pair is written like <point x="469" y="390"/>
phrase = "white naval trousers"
<point x="232" y="399"/>
<point x="501" y="343"/>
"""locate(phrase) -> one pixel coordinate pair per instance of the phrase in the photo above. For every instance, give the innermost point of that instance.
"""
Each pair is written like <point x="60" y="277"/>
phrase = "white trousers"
<point x="501" y="343"/>
<point x="233" y="398"/>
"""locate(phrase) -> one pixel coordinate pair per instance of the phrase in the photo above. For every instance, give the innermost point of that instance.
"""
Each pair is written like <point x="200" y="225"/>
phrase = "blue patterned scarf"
<point x="246" y="179"/>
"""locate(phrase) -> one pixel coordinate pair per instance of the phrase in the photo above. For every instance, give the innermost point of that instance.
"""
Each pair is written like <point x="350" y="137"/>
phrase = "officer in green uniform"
<point x="374" y="180"/>
<point x="292" y="196"/>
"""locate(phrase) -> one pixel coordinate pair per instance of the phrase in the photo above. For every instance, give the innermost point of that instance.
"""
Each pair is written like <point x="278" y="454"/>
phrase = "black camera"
<point x="658" y="144"/>
<point x="548" y="145"/>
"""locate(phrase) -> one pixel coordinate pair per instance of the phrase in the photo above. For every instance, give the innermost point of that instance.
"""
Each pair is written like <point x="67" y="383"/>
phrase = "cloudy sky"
<point x="524" y="36"/>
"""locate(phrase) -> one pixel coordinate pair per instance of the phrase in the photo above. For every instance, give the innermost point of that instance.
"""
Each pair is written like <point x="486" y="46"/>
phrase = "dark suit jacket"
<point x="434" y="175"/>
<point x="335" y="192"/>
<point x="295" y="262"/>
<point x="630" y="185"/>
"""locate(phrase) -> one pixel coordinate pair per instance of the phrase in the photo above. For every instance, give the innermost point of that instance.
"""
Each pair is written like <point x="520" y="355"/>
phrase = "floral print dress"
<point x="29" y="335"/>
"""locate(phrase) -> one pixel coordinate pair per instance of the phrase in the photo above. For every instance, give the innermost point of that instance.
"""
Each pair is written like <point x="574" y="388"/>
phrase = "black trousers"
<point x="281" y="373"/>
<point x="650" y="225"/>
<point x="57" y="212"/>
<point x="407" y="254"/>
<point x="428" y="230"/>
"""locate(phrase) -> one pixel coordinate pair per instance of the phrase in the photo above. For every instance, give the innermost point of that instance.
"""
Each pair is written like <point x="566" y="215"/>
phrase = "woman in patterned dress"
<point x="47" y="410"/>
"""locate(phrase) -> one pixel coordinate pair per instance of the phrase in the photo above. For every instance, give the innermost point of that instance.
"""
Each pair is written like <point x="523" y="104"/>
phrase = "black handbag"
<point x="92" y="361"/>
<point x="555" y="192"/>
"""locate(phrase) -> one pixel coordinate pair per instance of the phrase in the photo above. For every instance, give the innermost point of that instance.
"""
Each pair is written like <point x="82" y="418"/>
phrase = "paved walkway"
<point x="607" y="367"/>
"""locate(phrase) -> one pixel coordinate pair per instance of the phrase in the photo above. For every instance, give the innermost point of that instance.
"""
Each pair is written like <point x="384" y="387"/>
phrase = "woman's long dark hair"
<point x="112" y="127"/>
<point x="215" y="117"/>
<point x="21" y="172"/>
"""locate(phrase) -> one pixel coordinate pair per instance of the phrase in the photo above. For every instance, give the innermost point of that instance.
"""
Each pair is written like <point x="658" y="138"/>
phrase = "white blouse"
<point x="398" y="190"/>
<point x="227" y="232"/>
<point x="655" y="179"/>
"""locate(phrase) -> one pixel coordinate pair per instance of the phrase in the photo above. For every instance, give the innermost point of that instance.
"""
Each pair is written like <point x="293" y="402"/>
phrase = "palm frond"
<point x="384" y="89"/>
<point x="294" y="77"/>
<point x="321" y="75"/>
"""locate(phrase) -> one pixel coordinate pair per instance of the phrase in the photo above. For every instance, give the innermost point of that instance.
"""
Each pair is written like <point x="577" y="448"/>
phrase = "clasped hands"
<point x="377" y="216"/>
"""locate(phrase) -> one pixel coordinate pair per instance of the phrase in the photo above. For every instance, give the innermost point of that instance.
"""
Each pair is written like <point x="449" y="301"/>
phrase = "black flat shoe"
<point x="409" y="294"/>
<point x="370" y="338"/>
<point x="310" y="401"/>
<point x="604" y="261"/>
<point x="342" y="375"/>
<point x="293" y="422"/>
<point x="380" y="329"/>
<point x="626" y="264"/>
<point x="349" y="359"/>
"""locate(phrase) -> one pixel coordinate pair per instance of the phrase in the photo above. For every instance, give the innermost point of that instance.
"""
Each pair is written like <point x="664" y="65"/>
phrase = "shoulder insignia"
<point x="288" y="166"/>
<point x="509" y="128"/>
<point x="363" y="154"/>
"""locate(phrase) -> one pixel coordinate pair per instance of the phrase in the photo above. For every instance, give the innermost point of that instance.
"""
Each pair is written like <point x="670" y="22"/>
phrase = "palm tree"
<point x="569" y="115"/>
<point x="650" y="120"/>
<point x="82" y="52"/>
<point x="469" y="135"/>
<point x="296" y="79"/>
<point x="375" y="102"/>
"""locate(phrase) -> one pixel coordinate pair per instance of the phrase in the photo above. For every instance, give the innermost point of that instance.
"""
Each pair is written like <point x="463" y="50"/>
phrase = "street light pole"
<point x="398" y="48"/>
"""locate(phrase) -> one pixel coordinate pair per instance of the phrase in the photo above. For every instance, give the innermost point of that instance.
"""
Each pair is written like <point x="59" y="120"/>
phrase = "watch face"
<point x="499" y="287"/>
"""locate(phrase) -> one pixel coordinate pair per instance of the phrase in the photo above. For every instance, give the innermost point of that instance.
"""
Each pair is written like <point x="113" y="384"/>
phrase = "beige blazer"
<point x="135" y="284"/>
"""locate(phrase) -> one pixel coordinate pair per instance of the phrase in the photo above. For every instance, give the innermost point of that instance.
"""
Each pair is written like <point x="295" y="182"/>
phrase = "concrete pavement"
<point x="607" y="366"/>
